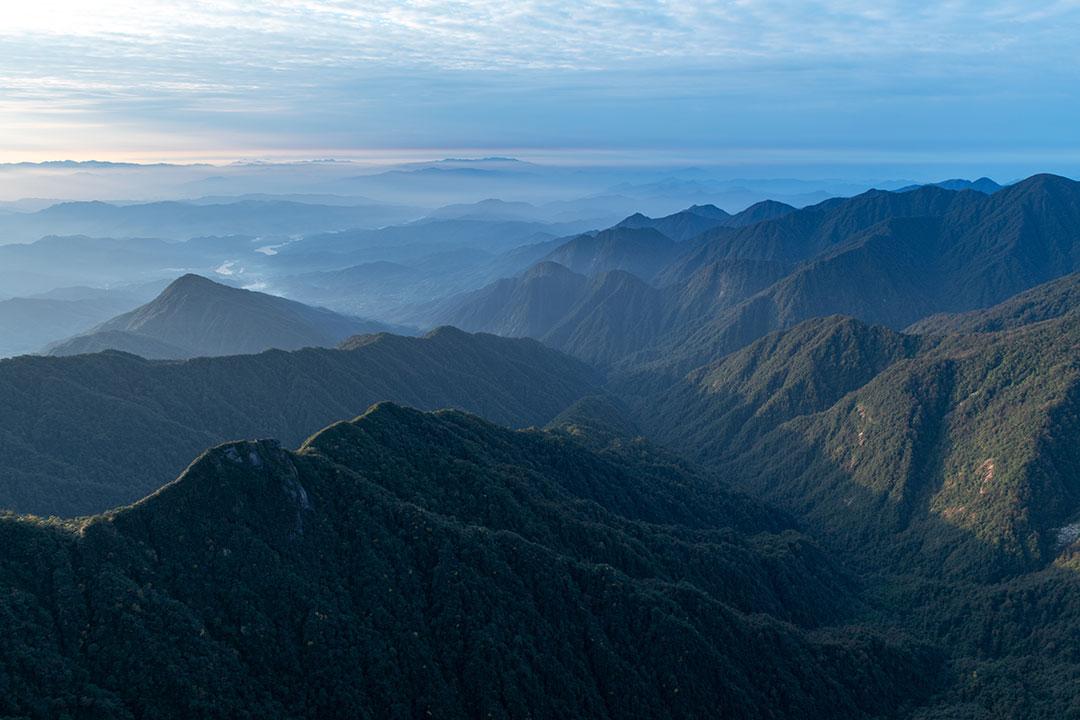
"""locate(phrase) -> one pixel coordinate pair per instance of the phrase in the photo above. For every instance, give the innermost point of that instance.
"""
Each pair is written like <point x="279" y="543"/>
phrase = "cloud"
<point x="381" y="73"/>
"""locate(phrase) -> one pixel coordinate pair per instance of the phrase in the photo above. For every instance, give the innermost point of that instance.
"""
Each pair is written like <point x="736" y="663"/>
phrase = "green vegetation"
<point x="943" y="469"/>
<point x="407" y="564"/>
<point x="82" y="434"/>
<point x="765" y="508"/>
<point x="1044" y="302"/>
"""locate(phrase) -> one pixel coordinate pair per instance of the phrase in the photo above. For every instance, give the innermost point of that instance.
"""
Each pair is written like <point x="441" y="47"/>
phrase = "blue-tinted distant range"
<point x="758" y="88"/>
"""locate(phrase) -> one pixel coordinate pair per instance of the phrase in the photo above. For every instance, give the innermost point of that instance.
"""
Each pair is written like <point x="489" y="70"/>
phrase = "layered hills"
<point x="27" y="324"/>
<point x="893" y="375"/>
<point x="183" y="220"/>
<point x="85" y="433"/>
<point x="884" y="257"/>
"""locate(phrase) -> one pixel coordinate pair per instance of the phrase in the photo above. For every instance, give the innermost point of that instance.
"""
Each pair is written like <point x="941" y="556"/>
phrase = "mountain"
<point x="801" y="235"/>
<point x="680" y="226"/>
<point x="408" y="564"/>
<point x="182" y="220"/>
<point x="82" y="434"/>
<point x="525" y="306"/>
<point x="196" y="317"/>
<point x="617" y="314"/>
<point x="942" y="467"/>
<point x="734" y="400"/>
<point x="978" y="250"/>
<point x="604" y="319"/>
<point x="600" y="419"/>
<point x="1043" y="302"/>
<point x="697" y="219"/>
<point x="759" y="212"/>
<point x="598" y="319"/>
<point x="947" y="453"/>
<point x="28" y="324"/>
<point x="886" y="258"/>
<point x="983" y="185"/>
<point x="639" y="251"/>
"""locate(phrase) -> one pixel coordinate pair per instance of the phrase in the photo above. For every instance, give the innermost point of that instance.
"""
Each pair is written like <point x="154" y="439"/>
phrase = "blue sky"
<point x="958" y="83"/>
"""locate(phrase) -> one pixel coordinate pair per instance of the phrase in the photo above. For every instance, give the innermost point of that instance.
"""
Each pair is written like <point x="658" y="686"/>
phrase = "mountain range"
<point x="83" y="434"/>
<point x="183" y="220"/>
<point x="884" y="257"/>
<point x="816" y="462"/>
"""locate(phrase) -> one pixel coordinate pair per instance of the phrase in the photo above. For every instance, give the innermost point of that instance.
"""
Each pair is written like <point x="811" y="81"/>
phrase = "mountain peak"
<point x="191" y="281"/>
<point x="1040" y="188"/>
<point x="708" y="210"/>
<point x="195" y="316"/>
<point x="1045" y="181"/>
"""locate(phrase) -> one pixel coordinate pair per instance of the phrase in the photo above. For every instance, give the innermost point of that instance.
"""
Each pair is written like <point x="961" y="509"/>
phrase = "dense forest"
<point x="407" y="564"/>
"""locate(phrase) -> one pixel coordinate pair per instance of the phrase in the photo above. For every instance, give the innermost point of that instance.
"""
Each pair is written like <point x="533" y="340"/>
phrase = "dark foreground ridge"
<point x="407" y="564"/>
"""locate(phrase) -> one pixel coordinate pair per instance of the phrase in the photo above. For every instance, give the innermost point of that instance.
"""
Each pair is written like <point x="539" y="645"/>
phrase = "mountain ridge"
<point x="79" y="434"/>
<point x="394" y="569"/>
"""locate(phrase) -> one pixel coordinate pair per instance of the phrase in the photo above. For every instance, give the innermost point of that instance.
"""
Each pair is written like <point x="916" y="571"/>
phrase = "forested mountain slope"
<point x="82" y="434"/>
<point x="641" y="252"/>
<point x="407" y="564"/>
<point x="885" y="258"/>
<point x="966" y="251"/>
<point x="943" y="467"/>
<point x="955" y="453"/>
<point x="1043" y="302"/>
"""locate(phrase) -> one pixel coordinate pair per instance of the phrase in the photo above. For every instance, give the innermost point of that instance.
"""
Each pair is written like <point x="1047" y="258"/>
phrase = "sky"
<point x="960" y="84"/>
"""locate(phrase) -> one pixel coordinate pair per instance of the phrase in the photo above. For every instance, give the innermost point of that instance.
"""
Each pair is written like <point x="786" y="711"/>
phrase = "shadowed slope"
<point x="407" y="564"/>
<point x="81" y="434"/>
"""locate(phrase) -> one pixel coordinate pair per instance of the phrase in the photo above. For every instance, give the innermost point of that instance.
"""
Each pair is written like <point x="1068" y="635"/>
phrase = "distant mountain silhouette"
<point x="759" y="212"/>
<point x="682" y="225"/>
<point x="983" y="185"/>
<point x="697" y="219"/>
<point x="182" y="220"/>
<point x="196" y="317"/>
